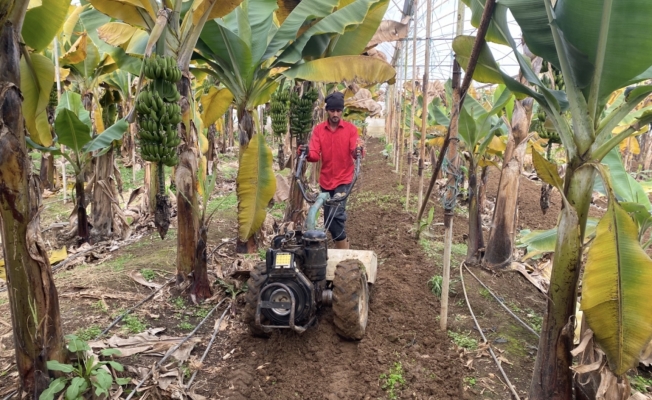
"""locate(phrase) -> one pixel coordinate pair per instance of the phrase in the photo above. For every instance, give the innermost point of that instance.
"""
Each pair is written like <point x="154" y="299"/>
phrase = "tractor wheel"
<point x="350" y="299"/>
<point x="256" y="279"/>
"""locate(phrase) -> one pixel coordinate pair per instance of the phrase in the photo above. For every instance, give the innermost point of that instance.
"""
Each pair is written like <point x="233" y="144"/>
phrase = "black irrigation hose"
<point x="10" y="395"/>
<point x="477" y="325"/>
<point x="216" y="331"/>
<point x="172" y="350"/>
<point x="124" y="314"/>
<point x="528" y="327"/>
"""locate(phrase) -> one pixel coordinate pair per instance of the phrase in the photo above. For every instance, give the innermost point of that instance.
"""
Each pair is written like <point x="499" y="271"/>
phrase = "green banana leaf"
<point x="42" y="23"/>
<point x="256" y="185"/>
<point x="72" y="132"/>
<point x="623" y="35"/>
<point x="355" y="41"/>
<point x="106" y="138"/>
<point x="626" y="188"/>
<point x="337" y="22"/>
<point x="92" y="20"/>
<point x="36" y="80"/>
<point x="72" y="101"/>
<point x="615" y="290"/>
<point x="539" y="242"/>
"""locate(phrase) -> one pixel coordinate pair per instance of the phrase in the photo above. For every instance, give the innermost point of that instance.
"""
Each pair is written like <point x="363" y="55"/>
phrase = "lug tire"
<point x="350" y="299"/>
<point x="256" y="279"/>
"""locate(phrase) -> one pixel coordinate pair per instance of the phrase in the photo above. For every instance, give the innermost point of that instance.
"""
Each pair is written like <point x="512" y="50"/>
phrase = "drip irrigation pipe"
<point x="528" y="327"/>
<point x="132" y="308"/>
<point x="10" y="395"/>
<point x="172" y="350"/>
<point x="477" y="325"/>
<point x="215" y="332"/>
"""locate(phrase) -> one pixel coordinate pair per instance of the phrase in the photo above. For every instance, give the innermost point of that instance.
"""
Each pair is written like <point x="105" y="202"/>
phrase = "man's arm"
<point x="354" y="143"/>
<point x="314" y="147"/>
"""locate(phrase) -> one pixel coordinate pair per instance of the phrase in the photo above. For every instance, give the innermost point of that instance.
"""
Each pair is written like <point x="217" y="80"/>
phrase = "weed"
<point x="231" y="289"/>
<point x="463" y="340"/>
<point x="148" y="274"/>
<point x="134" y="324"/>
<point x="83" y="374"/>
<point x="436" y="283"/>
<point x="393" y="381"/>
<point x="186" y="326"/>
<point x="514" y="306"/>
<point x="201" y="312"/>
<point x="179" y="303"/>
<point x="89" y="333"/>
<point x="99" y="306"/>
<point x="118" y="264"/>
<point x="469" y="380"/>
<point x="535" y="319"/>
<point x="186" y="371"/>
<point x="3" y="301"/>
<point x="278" y="210"/>
<point x="485" y="293"/>
<point x="641" y="383"/>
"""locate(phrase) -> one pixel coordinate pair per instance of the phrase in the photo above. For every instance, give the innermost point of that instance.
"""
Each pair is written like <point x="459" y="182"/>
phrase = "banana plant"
<point x="598" y="45"/>
<point x="249" y="54"/>
<point x="132" y="27"/>
<point x="73" y="127"/>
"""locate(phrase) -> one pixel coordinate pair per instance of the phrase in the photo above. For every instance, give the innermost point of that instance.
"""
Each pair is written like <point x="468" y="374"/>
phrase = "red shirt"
<point x="336" y="149"/>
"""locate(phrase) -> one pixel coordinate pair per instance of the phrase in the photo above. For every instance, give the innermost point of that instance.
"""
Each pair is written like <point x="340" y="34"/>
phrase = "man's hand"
<point x="302" y="148"/>
<point x="359" y="151"/>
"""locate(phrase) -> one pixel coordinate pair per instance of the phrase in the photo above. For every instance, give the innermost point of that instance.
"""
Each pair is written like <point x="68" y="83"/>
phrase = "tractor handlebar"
<point x="335" y="199"/>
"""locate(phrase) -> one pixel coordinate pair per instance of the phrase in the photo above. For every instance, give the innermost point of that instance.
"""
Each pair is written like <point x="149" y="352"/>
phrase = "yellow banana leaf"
<point x="214" y="104"/>
<point x="436" y="142"/>
<point x="485" y="162"/>
<point x="360" y="69"/>
<point x="496" y="146"/>
<point x="201" y="171"/>
<point x="256" y="185"/>
<point x="124" y="10"/>
<point x="547" y="171"/>
<point x="220" y="9"/>
<point x="77" y="52"/>
<point x="203" y="142"/>
<point x="71" y="21"/>
<point x="36" y="83"/>
<point x="116" y="33"/>
<point x="615" y="290"/>
<point x="630" y="144"/>
<point x="54" y="256"/>
<point x="99" y="122"/>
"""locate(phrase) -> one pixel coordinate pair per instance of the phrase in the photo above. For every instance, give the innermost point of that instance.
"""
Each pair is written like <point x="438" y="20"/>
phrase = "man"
<point x="335" y="142"/>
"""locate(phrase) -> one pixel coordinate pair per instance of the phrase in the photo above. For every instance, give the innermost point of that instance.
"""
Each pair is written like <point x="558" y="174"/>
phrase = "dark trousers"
<point x="336" y="214"/>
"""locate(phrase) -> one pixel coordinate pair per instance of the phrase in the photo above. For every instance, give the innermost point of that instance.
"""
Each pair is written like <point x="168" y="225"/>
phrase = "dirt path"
<point x="402" y="322"/>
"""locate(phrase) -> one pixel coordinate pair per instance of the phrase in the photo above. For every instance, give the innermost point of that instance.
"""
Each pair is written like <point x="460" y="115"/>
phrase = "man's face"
<point x="334" y="116"/>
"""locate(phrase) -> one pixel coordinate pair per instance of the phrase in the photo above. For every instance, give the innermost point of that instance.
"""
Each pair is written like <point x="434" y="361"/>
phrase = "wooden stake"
<point x="414" y="102"/>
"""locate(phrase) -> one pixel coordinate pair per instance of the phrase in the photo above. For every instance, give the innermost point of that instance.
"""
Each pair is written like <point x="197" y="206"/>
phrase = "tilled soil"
<point x="402" y="325"/>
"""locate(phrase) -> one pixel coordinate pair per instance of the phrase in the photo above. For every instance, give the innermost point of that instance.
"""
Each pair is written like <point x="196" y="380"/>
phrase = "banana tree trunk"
<point x="500" y="245"/>
<point x="186" y="178"/>
<point x="102" y="197"/>
<point x="186" y="182"/>
<point x="83" y="230"/>
<point x="552" y="377"/>
<point x="201" y="287"/>
<point x="476" y="241"/>
<point x="33" y="298"/>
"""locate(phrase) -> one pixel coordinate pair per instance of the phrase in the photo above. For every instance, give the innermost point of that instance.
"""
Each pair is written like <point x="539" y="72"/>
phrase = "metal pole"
<point x="414" y="102"/>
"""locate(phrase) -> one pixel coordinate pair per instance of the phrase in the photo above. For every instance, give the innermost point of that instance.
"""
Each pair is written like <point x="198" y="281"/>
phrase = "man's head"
<point x="334" y="107"/>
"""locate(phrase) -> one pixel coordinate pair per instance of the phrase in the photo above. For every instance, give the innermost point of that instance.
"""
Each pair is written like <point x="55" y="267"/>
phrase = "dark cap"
<point x="335" y="101"/>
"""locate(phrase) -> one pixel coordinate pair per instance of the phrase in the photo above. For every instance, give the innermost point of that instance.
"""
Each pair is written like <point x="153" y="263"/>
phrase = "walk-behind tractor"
<point x="301" y="275"/>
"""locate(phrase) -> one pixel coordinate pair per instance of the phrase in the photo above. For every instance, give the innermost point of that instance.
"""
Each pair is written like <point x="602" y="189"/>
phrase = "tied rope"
<point x="453" y="185"/>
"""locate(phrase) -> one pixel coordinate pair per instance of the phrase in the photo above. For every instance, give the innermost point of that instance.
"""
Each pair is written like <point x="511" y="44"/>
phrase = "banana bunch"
<point x="553" y="137"/>
<point x="158" y="112"/>
<point x="301" y="114"/>
<point x="162" y="68"/>
<point x="279" y="112"/>
<point x="54" y="99"/>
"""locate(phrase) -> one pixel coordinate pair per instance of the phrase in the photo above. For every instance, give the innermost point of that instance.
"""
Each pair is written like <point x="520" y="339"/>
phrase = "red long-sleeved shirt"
<point x="336" y="149"/>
